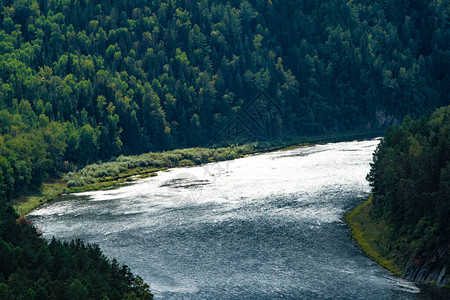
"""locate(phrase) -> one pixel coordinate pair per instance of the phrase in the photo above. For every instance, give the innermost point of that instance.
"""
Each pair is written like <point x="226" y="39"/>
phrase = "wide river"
<point x="262" y="227"/>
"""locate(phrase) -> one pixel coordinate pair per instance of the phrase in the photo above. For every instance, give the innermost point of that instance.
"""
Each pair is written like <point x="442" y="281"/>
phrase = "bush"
<point x="76" y="183"/>
<point x="186" y="163"/>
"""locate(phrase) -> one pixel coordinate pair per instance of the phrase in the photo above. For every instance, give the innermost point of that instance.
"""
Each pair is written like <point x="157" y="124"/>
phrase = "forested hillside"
<point x="88" y="80"/>
<point x="82" y="81"/>
<point x="32" y="268"/>
<point x="410" y="177"/>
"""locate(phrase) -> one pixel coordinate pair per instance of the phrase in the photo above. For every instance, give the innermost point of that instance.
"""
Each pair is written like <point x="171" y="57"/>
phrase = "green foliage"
<point x="84" y="81"/>
<point x="32" y="268"/>
<point x="372" y="237"/>
<point x="148" y="163"/>
<point x="77" y="291"/>
<point x="87" y="81"/>
<point x="410" y="177"/>
<point x="87" y="144"/>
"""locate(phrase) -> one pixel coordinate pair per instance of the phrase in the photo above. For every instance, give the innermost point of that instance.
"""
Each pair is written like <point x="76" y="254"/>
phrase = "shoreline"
<point x="371" y="236"/>
<point x="67" y="183"/>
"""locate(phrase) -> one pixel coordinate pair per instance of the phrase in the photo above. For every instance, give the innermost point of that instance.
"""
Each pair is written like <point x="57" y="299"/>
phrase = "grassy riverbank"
<point x="123" y="169"/>
<point x="372" y="237"/>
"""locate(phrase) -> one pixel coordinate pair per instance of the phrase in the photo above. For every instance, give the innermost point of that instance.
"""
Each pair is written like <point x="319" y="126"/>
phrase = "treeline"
<point x="32" y="268"/>
<point x="87" y="80"/>
<point x="410" y="178"/>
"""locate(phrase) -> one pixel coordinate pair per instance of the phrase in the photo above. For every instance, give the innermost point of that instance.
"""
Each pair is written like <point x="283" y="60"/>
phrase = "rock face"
<point x="429" y="268"/>
<point x="382" y="119"/>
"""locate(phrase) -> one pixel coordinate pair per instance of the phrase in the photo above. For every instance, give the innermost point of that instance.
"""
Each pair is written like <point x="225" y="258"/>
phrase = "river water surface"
<point x="261" y="227"/>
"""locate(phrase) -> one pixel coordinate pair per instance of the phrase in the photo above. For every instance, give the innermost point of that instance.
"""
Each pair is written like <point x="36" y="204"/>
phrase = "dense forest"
<point x="83" y="81"/>
<point x="86" y="80"/>
<point x="410" y="177"/>
<point x="32" y="268"/>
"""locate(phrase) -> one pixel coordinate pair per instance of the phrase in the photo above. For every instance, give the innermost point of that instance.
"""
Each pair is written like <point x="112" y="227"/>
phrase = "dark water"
<point x="263" y="227"/>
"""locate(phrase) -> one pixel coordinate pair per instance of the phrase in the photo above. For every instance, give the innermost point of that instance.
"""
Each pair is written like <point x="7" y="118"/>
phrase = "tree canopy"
<point x="32" y="268"/>
<point x="410" y="177"/>
<point x="84" y="80"/>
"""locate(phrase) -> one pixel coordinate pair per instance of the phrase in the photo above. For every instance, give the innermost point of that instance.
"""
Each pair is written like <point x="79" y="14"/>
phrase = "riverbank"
<point x="261" y="210"/>
<point x="123" y="170"/>
<point x="126" y="169"/>
<point x="372" y="237"/>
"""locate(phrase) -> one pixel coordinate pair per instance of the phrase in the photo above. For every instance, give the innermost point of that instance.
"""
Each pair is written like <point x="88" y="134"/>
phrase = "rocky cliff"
<point x="431" y="267"/>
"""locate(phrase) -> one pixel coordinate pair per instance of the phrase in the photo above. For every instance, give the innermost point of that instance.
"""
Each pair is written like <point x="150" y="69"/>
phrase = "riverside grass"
<point x="372" y="237"/>
<point x="126" y="169"/>
<point x="123" y="169"/>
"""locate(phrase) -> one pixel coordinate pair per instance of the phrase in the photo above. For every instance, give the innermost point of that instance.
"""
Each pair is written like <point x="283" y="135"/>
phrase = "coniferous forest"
<point x="83" y="81"/>
<point x="410" y="177"/>
<point x="87" y="80"/>
<point x="32" y="268"/>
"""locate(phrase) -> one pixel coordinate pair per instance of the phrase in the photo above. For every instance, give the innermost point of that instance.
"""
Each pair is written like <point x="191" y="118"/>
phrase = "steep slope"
<point x="405" y="225"/>
<point x="88" y="80"/>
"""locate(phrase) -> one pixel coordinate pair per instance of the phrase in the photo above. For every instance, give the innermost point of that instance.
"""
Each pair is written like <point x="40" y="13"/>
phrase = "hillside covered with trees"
<point x="410" y="178"/>
<point x="32" y="268"/>
<point x="82" y="81"/>
<point x="87" y="80"/>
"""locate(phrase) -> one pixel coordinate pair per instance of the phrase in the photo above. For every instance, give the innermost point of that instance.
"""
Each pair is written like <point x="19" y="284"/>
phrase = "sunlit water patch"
<point x="261" y="227"/>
